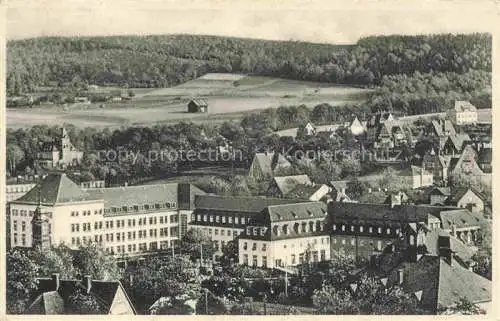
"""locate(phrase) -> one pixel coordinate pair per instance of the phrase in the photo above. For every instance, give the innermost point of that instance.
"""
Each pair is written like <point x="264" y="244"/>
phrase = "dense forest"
<point x="160" y="61"/>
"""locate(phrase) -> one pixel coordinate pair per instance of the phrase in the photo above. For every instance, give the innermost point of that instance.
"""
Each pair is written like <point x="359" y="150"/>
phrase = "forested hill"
<point x="160" y="61"/>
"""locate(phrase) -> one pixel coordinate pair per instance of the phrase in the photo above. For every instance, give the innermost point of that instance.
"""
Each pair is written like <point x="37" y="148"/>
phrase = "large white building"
<point x="125" y="220"/>
<point x="463" y="113"/>
<point x="223" y="219"/>
<point x="286" y="235"/>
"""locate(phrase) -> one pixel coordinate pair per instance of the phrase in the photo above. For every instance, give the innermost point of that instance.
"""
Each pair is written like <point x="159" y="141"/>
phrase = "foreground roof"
<point x="56" y="188"/>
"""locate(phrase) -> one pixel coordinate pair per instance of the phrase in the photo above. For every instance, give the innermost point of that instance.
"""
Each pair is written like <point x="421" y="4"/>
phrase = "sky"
<point x="306" y="20"/>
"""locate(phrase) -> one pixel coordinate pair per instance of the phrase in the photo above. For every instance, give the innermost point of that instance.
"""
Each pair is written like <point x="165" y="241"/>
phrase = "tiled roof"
<point x="460" y="250"/>
<point x="50" y="301"/>
<point x="142" y="194"/>
<point x="268" y="162"/>
<point x="237" y="204"/>
<point x="287" y="183"/>
<point x="298" y="211"/>
<point x="200" y="102"/>
<point x="56" y="188"/>
<point x="459" y="218"/>
<point x="382" y="212"/>
<point x="438" y="283"/>
<point x="460" y="192"/>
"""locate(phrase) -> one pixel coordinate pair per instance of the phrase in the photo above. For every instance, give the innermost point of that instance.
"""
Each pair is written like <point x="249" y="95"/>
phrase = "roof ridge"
<point x="135" y="186"/>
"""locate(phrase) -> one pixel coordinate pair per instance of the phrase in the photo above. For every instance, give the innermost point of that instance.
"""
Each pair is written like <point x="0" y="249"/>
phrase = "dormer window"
<point x="334" y="227"/>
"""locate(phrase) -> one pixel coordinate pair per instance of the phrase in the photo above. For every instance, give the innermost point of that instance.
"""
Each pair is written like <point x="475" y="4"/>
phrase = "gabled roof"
<point x="51" y="301"/>
<point x="462" y="105"/>
<point x="268" y="162"/>
<point x="56" y="188"/>
<point x="444" y="191"/>
<point x="440" y="284"/>
<point x="52" y="146"/>
<point x="443" y="127"/>
<point x="287" y="183"/>
<point x="339" y="185"/>
<point x="459" y="218"/>
<point x="458" y="193"/>
<point x="199" y="102"/>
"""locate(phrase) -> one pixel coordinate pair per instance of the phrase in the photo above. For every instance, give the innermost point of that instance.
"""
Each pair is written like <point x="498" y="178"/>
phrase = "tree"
<point x="463" y="307"/>
<point x="355" y="188"/>
<point x="14" y="156"/>
<point x="93" y="260"/>
<point x="210" y="304"/>
<point x="173" y="278"/>
<point x="367" y="295"/>
<point x="194" y="242"/>
<point x="21" y="275"/>
<point x="80" y="302"/>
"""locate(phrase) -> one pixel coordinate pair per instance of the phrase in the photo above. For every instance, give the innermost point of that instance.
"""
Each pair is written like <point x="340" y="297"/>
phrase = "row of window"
<point x="361" y="229"/>
<point x="86" y="213"/>
<point x="324" y="240"/>
<point x="304" y="227"/>
<point x="23" y="213"/>
<point x="86" y="227"/>
<point x="146" y="207"/>
<point x="140" y="247"/>
<point x="315" y="256"/>
<point x="222" y="219"/>
<point x="352" y="242"/>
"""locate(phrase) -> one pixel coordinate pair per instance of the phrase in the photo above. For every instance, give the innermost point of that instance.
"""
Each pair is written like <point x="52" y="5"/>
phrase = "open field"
<point x="169" y="105"/>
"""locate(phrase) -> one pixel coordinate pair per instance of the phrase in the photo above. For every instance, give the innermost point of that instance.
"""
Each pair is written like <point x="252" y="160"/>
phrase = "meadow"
<point x="229" y="96"/>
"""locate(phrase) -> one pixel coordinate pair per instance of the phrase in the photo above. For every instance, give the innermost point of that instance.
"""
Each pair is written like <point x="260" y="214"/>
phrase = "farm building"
<point x="198" y="106"/>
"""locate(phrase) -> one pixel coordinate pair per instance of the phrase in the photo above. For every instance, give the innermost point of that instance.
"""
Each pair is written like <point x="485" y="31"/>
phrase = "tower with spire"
<point x="41" y="226"/>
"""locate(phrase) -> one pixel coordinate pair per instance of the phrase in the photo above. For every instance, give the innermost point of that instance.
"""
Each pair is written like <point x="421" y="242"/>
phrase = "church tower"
<point x="41" y="228"/>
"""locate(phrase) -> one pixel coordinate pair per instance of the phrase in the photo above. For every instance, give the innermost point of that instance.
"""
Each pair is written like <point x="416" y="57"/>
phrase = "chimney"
<point x="55" y="281"/>
<point x="400" y="276"/>
<point x="444" y="246"/>
<point x="87" y="282"/>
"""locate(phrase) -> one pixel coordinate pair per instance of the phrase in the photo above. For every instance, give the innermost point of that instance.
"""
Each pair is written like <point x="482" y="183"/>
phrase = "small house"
<point x="198" y="106"/>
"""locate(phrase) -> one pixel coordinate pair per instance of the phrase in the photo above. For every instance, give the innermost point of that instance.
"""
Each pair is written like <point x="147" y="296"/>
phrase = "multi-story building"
<point x="361" y="229"/>
<point x="285" y="235"/>
<point x="125" y="220"/>
<point x="462" y="113"/>
<point x="58" y="153"/>
<point x="225" y="218"/>
<point x="15" y="191"/>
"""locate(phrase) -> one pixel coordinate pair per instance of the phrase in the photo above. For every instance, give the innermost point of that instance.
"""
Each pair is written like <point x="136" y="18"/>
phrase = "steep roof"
<point x="438" y="284"/>
<point x="460" y="250"/>
<point x="268" y="162"/>
<point x="444" y="191"/>
<point x="56" y="188"/>
<point x="460" y="192"/>
<point x="462" y="105"/>
<point x="339" y="185"/>
<point x="287" y="183"/>
<point x="50" y="300"/>
<point x="200" y="102"/>
<point x="443" y="127"/>
<point x="297" y="211"/>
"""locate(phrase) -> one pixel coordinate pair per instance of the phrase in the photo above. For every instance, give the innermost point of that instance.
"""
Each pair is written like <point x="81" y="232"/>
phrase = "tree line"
<point x="161" y="61"/>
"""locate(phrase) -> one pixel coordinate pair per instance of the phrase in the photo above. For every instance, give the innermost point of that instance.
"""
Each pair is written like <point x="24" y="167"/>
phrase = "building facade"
<point x="125" y="220"/>
<point x="463" y="113"/>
